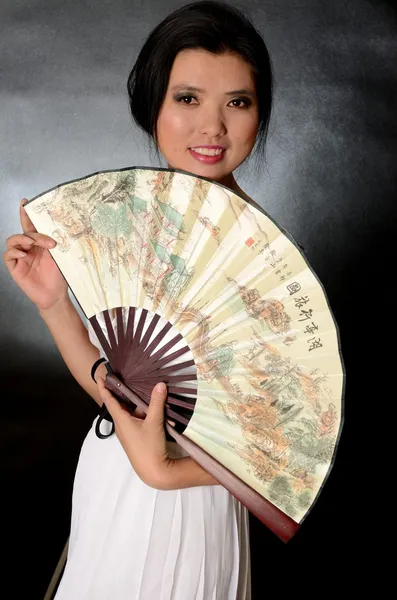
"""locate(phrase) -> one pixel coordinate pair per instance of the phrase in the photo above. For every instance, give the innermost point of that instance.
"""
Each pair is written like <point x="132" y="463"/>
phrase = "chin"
<point x="217" y="172"/>
<point x="214" y="172"/>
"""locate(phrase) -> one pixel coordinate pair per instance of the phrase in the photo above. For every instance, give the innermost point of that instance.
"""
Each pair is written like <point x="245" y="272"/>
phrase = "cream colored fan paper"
<point x="270" y="376"/>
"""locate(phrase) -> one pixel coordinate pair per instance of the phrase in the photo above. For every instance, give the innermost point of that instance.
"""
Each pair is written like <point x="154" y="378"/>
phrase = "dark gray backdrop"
<point x="330" y="180"/>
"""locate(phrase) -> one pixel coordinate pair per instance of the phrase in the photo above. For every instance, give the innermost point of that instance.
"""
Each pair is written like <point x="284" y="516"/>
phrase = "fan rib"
<point x="158" y="338"/>
<point x="112" y="338"/>
<point x="182" y="390"/>
<point x="149" y="360"/>
<point x="159" y="376"/>
<point x="181" y="403"/>
<point x="120" y="332"/>
<point x="130" y="325"/>
<point x="150" y="330"/>
<point x="102" y="340"/>
<point x="178" y="366"/>
<point x="139" y="329"/>
<point x="169" y="358"/>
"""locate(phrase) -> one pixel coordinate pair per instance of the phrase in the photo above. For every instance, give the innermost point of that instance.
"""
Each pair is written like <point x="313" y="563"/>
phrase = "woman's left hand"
<point x="143" y="440"/>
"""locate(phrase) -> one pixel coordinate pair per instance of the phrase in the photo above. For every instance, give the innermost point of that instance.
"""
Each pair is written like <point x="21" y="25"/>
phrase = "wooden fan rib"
<point x="139" y="329"/>
<point x="142" y="387"/>
<point x="179" y="367"/>
<point x="155" y="342"/>
<point x="130" y="325"/>
<point x="149" y="330"/>
<point x="120" y="331"/>
<point x="151" y="360"/>
<point x="182" y="390"/>
<point x="164" y="349"/>
<point x="171" y="368"/>
<point x="103" y="341"/>
<point x="181" y="404"/>
<point x="163" y="373"/>
<point x="186" y="396"/>
<point x="171" y="414"/>
<point x="112" y="338"/>
<point x="134" y="350"/>
<point x="166" y="359"/>
<point x="177" y="378"/>
<point x="160" y="376"/>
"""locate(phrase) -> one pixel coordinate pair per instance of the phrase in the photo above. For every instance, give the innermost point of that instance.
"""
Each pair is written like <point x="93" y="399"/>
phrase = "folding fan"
<point x="185" y="282"/>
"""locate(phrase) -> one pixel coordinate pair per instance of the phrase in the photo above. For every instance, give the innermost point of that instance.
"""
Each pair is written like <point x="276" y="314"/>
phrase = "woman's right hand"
<point x="32" y="267"/>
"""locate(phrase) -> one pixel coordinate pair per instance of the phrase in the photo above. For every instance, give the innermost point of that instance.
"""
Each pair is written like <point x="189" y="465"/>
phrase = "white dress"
<point x="129" y="541"/>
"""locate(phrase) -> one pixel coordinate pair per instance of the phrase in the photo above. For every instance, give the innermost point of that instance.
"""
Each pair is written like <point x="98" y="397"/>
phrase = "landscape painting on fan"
<point x="239" y="290"/>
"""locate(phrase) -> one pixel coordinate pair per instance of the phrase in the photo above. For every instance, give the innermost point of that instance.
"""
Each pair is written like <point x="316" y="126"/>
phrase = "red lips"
<point x="208" y="160"/>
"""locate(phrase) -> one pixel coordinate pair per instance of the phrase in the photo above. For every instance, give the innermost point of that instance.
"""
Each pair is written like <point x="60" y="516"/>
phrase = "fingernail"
<point x="50" y="243"/>
<point x="160" y="387"/>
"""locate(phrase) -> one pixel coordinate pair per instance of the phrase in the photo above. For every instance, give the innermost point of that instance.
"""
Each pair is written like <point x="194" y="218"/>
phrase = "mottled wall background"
<point x="329" y="179"/>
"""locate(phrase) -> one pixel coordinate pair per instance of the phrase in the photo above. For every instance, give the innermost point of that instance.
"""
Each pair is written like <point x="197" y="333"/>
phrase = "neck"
<point x="230" y="182"/>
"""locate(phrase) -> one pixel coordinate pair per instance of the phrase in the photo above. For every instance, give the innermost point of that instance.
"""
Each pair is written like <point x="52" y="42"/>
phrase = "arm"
<point x="185" y="472"/>
<point x="33" y="269"/>
<point x="72" y="340"/>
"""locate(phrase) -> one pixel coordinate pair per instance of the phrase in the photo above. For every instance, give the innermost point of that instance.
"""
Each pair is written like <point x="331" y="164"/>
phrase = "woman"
<point x="147" y="521"/>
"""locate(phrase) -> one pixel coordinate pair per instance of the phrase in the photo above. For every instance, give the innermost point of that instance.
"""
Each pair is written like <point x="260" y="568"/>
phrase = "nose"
<point x="212" y="123"/>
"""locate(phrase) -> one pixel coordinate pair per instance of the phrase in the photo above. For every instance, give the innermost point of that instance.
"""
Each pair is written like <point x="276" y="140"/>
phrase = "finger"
<point x="26" y="223"/>
<point x="19" y="240"/>
<point x="42" y="240"/>
<point x="11" y="258"/>
<point x="29" y="240"/>
<point x="158" y="399"/>
<point x="13" y="254"/>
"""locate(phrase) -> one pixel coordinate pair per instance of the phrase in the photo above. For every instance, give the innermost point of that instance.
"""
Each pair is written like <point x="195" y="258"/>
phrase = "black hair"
<point x="209" y="25"/>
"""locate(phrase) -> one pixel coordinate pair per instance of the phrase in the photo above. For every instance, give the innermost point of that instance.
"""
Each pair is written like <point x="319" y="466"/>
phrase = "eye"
<point x="245" y="102"/>
<point x="182" y="99"/>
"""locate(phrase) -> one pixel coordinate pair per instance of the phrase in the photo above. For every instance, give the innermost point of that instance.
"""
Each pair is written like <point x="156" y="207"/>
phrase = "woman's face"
<point x="210" y="101"/>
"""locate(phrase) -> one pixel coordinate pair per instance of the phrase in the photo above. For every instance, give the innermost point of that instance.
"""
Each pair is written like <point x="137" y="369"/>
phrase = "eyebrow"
<point x="191" y="88"/>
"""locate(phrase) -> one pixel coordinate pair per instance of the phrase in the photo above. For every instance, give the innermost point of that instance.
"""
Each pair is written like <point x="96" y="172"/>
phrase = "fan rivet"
<point x="119" y="385"/>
